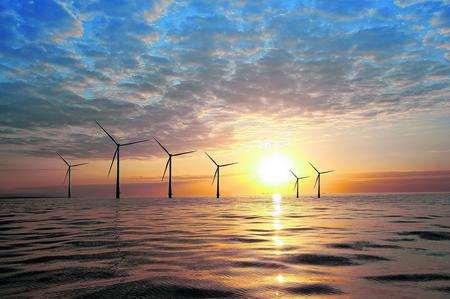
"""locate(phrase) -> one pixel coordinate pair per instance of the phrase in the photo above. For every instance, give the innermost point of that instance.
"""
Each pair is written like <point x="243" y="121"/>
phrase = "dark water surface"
<point x="391" y="246"/>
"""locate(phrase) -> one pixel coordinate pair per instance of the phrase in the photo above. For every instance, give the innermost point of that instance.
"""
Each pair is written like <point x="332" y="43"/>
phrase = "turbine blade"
<point x="317" y="179"/>
<point x="67" y="163"/>
<point x="296" y="184"/>
<point x="212" y="159"/>
<point x="303" y="177"/>
<point x="112" y="138"/>
<point x="327" y="171"/>
<point x="165" y="169"/>
<point x="130" y="143"/>
<point x="293" y="173"/>
<point x="215" y="174"/>
<point x="79" y="164"/>
<point x="162" y="146"/>
<point x="228" y="164"/>
<point x="112" y="162"/>
<point x="183" y="153"/>
<point x="65" y="177"/>
<point x="313" y="167"/>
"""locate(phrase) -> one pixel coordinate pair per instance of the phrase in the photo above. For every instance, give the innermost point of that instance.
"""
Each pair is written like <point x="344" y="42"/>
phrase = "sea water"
<point x="360" y="246"/>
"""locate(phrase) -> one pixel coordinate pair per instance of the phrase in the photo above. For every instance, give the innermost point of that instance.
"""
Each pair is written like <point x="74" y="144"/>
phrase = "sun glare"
<point x="276" y="197"/>
<point x="274" y="169"/>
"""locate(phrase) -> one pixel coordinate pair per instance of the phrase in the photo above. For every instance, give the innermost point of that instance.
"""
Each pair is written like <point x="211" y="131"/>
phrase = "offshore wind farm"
<point x="224" y="149"/>
<point x="168" y="166"/>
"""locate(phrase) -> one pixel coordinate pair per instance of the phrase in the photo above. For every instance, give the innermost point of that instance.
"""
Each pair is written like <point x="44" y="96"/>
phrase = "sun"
<point x="273" y="169"/>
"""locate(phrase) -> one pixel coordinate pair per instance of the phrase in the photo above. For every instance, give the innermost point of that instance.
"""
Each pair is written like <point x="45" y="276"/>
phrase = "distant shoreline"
<point x="23" y="197"/>
<point x="230" y="196"/>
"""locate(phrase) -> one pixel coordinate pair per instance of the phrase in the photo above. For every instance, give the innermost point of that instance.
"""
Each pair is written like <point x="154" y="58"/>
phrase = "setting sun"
<point x="273" y="169"/>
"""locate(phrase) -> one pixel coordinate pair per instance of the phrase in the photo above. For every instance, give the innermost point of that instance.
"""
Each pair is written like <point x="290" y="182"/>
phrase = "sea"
<point x="271" y="246"/>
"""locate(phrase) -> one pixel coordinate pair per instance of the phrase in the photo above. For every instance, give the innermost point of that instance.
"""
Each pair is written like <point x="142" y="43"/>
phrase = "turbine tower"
<point x="296" y="186"/>
<point x="68" y="173"/>
<point x="117" y="154"/>
<point x="217" y="173"/>
<point x="318" y="178"/>
<point x="169" y="164"/>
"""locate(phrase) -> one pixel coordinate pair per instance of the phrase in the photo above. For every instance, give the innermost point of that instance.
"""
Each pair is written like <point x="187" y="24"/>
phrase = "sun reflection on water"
<point x="277" y="208"/>
<point x="280" y="278"/>
<point x="276" y="197"/>
<point x="278" y="241"/>
<point x="277" y="223"/>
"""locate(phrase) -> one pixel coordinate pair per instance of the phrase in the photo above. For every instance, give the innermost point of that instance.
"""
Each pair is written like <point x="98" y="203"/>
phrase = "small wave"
<point x="410" y="277"/>
<point x="148" y="289"/>
<point x="441" y="225"/>
<point x="246" y="240"/>
<point x="314" y="289"/>
<point x="7" y="270"/>
<point x="400" y="240"/>
<point x="7" y="222"/>
<point x="424" y="217"/>
<point x="445" y="289"/>
<point x="333" y="260"/>
<point x="404" y="221"/>
<point x="368" y="257"/>
<point x="85" y="222"/>
<point x="300" y="229"/>
<point x="80" y="257"/>
<point x="360" y="245"/>
<point x="259" y="264"/>
<point x="320" y="260"/>
<point x="429" y="235"/>
<point x="62" y="275"/>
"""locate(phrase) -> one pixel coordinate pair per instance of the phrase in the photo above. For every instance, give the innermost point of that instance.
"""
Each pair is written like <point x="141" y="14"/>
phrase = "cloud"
<point x="406" y="3"/>
<point x="158" y="9"/>
<point x="441" y="19"/>
<point x="200" y="71"/>
<point x="396" y="181"/>
<point x="36" y="21"/>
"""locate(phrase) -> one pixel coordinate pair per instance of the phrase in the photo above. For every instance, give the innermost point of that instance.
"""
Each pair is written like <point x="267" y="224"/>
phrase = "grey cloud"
<point x="190" y="82"/>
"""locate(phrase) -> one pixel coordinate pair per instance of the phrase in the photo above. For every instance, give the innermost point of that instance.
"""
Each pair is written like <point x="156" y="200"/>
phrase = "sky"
<point x="359" y="87"/>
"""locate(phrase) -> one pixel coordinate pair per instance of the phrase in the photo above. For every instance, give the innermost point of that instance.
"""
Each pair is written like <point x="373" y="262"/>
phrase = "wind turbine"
<point x="169" y="164"/>
<point x="117" y="153"/>
<point x="217" y="173"/>
<point x="68" y="172"/>
<point x="296" y="186"/>
<point x="318" y="178"/>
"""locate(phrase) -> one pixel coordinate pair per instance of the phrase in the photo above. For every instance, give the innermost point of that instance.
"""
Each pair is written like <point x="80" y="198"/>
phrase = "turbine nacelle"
<point x="297" y="177"/>
<point x="319" y="172"/>
<point x="69" y="165"/>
